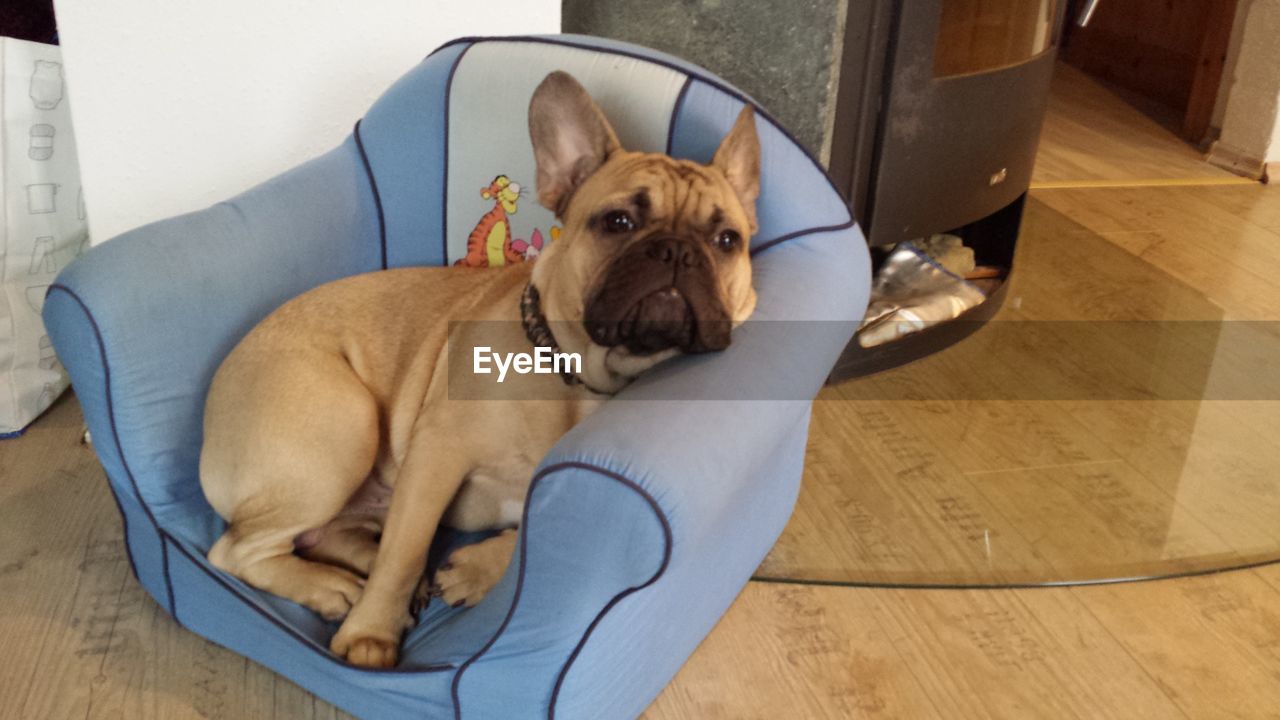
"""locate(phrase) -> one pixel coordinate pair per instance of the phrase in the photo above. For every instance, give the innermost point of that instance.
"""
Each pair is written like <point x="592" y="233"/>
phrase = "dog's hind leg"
<point x="352" y="546"/>
<point x="258" y="546"/>
<point x="265" y="560"/>
<point x="291" y="470"/>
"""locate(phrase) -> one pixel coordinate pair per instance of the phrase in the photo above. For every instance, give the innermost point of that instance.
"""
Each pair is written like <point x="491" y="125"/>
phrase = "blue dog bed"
<point x="641" y="525"/>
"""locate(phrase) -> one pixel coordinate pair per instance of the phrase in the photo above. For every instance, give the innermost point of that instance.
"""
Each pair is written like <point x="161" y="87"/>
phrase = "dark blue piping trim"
<point x="115" y="433"/>
<point x="524" y="548"/>
<point x="166" y="538"/>
<point x="455" y="41"/>
<point x="675" y="111"/>
<point x="800" y="233"/>
<point x="377" y="197"/>
<point x="666" y="560"/>
<point x="704" y="77"/>
<point x="444" y="184"/>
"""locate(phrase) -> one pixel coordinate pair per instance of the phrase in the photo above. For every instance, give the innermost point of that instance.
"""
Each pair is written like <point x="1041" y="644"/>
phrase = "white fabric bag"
<point x="42" y="227"/>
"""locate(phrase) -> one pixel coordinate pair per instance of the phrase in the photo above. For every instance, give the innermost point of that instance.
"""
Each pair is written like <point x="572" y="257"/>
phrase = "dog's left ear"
<point x="571" y="138"/>
<point x="738" y="157"/>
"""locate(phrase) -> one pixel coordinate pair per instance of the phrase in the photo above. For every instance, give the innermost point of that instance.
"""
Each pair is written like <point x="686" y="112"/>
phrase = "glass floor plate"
<point x="1120" y="419"/>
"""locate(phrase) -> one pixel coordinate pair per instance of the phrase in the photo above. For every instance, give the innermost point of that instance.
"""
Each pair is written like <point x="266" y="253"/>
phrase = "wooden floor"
<point x="1093" y="135"/>
<point x="953" y="489"/>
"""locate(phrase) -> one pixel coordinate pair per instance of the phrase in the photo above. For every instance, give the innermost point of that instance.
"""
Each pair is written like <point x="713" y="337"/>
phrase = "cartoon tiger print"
<point x="489" y="244"/>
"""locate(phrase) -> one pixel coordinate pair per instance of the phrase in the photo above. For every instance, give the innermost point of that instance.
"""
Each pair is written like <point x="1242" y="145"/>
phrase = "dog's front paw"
<point x="471" y="571"/>
<point x="373" y="653"/>
<point x="365" y="645"/>
<point x="365" y="650"/>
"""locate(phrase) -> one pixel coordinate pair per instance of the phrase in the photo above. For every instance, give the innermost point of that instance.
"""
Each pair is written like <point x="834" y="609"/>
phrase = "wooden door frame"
<point x="1210" y="62"/>
<point x="1210" y="65"/>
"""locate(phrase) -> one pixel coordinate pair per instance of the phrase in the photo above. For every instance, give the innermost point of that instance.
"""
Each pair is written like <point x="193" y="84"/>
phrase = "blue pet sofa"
<point x="641" y="525"/>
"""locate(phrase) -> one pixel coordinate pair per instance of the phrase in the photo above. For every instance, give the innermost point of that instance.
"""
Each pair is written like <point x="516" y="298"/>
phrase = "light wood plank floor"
<point x="82" y="640"/>
<point x="1092" y="135"/>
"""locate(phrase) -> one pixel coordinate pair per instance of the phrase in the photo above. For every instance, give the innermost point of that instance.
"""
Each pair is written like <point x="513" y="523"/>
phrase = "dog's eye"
<point x="727" y="240"/>
<point x="619" y="221"/>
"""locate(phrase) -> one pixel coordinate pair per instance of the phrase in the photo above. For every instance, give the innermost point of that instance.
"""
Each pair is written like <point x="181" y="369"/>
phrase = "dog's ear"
<point x="738" y="157"/>
<point x="571" y="138"/>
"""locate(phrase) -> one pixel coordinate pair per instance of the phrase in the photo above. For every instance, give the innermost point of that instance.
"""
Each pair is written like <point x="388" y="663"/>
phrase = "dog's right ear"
<point x="571" y="138"/>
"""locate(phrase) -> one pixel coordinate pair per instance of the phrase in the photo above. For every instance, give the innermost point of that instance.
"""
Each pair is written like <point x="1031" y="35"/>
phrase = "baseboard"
<point x="1237" y="161"/>
<point x="1272" y="171"/>
<point x="1210" y="137"/>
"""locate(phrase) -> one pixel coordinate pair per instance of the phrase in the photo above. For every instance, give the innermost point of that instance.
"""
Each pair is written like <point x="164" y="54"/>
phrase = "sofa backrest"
<point x="454" y="129"/>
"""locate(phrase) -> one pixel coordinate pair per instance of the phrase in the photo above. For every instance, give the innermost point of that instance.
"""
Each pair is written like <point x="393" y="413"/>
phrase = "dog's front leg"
<point x="426" y="483"/>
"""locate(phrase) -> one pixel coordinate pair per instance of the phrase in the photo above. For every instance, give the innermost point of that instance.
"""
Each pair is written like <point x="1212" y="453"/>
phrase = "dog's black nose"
<point x="672" y="251"/>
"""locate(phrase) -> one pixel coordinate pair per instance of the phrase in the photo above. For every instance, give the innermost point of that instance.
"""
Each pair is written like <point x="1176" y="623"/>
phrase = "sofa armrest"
<point x="644" y="523"/>
<point x="143" y="321"/>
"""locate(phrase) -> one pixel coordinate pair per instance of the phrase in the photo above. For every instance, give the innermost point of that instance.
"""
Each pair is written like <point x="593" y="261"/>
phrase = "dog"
<point x="334" y="446"/>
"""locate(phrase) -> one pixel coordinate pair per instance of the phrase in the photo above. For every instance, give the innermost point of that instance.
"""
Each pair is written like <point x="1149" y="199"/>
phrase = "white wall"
<point x="1272" y="155"/>
<point x="179" y="104"/>
<point x="1251" y="121"/>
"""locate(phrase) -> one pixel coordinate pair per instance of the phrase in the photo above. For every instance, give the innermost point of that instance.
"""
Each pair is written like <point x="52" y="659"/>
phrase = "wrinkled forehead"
<point x="665" y="188"/>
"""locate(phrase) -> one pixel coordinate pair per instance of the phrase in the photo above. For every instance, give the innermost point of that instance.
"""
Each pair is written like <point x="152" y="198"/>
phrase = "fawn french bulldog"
<point x="332" y="446"/>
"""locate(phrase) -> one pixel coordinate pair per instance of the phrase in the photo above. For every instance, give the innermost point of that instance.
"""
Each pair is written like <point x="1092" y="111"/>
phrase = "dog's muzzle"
<point x="660" y="293"/>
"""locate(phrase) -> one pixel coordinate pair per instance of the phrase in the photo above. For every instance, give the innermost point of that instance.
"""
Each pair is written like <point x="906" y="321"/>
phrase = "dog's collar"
<point x="538" y="330"/>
